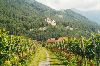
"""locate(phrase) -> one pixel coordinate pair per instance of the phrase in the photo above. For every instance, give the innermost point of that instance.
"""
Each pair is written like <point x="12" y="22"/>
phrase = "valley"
<point x="34" y="34"/>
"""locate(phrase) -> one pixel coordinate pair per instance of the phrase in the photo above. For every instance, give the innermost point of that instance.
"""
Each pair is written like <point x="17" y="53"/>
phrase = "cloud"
<point x="84" y="5"/>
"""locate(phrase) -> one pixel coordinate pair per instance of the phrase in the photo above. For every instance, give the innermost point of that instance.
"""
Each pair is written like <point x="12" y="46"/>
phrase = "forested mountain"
<point x="27" y="17"/>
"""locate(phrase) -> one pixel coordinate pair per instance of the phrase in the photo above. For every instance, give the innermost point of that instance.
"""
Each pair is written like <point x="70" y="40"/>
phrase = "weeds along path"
<point x="40" y="56"/>
<point x="47" y="62"/>
<point x="55" y="60"/>
<point x="44" y="57"/>
<point x="51" y="60"/>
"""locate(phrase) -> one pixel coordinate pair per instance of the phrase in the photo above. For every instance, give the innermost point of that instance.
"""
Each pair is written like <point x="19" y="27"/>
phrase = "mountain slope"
<point x="93" y="15"/>
<point x="26" y="17"/>
<point x="75" y="20"/>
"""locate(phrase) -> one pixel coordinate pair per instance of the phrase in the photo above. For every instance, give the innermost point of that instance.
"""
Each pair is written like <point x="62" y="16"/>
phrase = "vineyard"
<point x="77" y="51"/>
<point x="15" y="50"/>
<point x="23" y="51"/>
<point x="49" y="33"/>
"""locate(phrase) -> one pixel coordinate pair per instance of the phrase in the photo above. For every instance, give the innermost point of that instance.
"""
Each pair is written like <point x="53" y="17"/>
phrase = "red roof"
<point x="52" y="40"/>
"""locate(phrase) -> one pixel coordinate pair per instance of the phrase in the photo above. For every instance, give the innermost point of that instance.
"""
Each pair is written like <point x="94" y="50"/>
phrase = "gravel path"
<point x="45" y="63"/>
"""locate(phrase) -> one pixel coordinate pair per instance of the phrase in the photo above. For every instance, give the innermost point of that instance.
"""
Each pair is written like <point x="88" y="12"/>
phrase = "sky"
<point x="83" y="5"/>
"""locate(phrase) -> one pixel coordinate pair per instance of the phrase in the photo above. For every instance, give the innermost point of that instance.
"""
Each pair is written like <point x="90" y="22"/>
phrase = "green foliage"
<point x="25" y="17"/>
<point x="15" y="50"/>
<point x="90" y="54"/>
<point x="77" y="50"/>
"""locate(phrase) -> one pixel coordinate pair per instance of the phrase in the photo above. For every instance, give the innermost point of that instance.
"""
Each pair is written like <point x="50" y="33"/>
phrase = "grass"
<point x="55" y="60"/>
<point x="40" y="55"/>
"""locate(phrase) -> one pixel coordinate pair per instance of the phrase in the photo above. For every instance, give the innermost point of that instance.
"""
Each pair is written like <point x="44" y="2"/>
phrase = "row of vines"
<point x="78" y="51"/>
<point x="15" y="50"/>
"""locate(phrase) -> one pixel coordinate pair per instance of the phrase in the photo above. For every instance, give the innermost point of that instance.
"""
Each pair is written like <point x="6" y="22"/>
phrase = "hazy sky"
<point x="84" y="5"/>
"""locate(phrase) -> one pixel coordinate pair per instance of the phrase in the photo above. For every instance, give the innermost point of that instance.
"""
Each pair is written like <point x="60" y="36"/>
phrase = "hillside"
<point x="27" y="17"/>
<point x="93" y="15"/>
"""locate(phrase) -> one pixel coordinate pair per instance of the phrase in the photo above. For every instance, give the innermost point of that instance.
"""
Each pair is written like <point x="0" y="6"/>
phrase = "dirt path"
<point x="44" y="57"/>
<point x="45" y="63"/>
